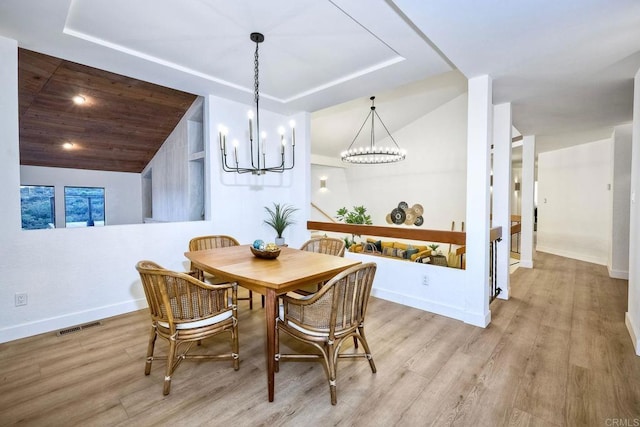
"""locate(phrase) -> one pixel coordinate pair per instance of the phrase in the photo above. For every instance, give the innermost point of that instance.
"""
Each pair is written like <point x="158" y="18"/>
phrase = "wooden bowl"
<point x="265" y="254"/>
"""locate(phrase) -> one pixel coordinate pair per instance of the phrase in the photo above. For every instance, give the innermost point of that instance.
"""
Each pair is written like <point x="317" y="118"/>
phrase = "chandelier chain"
<point x="256" y="84"/>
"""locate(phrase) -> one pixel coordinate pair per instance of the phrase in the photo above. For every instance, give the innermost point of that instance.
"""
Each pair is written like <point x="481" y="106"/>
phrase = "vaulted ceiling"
<point x="119" y="127"/>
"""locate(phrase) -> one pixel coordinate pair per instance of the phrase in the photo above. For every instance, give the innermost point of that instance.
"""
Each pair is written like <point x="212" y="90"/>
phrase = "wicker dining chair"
<point x="322" y="245"/>
<point x="329" y="318"/>
<point x="184" y="311"/>
<point x="210" y="242"/>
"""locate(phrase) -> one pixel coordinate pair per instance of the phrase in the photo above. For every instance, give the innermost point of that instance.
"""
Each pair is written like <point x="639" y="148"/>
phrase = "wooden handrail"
<point x="440" y="236"/>
<point x="516" y="228"/>
<point x="313" y="205"/>
<point x="455" y="237"/>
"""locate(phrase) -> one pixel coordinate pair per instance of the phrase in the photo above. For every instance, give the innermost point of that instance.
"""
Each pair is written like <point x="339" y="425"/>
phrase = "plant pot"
<point x="279" y="241"/>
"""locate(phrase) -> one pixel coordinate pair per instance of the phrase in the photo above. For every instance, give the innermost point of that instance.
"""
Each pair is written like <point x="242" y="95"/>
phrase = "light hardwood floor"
<point x="556" y="353"/>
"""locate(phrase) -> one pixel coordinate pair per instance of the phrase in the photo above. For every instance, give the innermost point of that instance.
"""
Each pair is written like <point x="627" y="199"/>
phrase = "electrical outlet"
<point x="425" y="280"/>
<point x="21" y="299"/>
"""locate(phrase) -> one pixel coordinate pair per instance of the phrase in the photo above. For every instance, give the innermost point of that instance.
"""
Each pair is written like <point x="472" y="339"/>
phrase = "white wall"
<point x="618" y="262"/>
<point x="632" y="318"/>
<point x="433" y="174"/>
<point x="74" y="276"/>
<point x="336" y="194"/>
<point x="122" y="191"/>
<point x="239" y="200"/>
<point x="574" y="203"/>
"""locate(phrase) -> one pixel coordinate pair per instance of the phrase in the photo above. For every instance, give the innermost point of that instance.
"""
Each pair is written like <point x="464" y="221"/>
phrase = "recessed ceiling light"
<point x="79" y="99"/>
<point x="67" y="145"/>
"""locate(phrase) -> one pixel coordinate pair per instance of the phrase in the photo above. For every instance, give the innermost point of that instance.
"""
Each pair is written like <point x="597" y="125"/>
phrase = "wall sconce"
<point x="323" y="183"/>
<point x="517" y="186"/>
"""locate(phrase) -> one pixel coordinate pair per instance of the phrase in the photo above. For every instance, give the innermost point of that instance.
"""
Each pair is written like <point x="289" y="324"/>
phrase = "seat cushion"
<point x="200" y="323"/>
<point x="298" y="327"/>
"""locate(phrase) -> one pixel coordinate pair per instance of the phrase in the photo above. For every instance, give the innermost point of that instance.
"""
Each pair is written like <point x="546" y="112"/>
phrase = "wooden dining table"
<point x="270" y="277"/>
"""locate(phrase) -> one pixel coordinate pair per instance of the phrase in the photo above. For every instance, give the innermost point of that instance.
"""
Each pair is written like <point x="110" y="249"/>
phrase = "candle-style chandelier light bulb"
<point x="257" y="150"/>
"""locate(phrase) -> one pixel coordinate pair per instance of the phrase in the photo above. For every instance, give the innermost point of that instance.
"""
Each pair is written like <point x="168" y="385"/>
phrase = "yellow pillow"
<point x="387" y="244"/>
<point x="399" y="245"/>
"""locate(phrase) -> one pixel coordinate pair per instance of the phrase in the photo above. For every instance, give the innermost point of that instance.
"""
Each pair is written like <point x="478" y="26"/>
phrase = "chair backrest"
<point x="177" y="297"/>
<point x="324" y="245"/>
<point x="210" y="242"/>
<point x="202" y="243"/>
<point x="340" y="305"/>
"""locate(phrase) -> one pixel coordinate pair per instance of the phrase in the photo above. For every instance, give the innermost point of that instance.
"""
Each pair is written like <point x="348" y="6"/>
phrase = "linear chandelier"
<point x="257" y="149"/>
<point x="372" y="154"/>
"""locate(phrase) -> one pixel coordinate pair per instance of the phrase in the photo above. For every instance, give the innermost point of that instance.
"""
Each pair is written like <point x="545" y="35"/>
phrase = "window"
<point x="84" y="206"/>
<point x="37" y="203"/>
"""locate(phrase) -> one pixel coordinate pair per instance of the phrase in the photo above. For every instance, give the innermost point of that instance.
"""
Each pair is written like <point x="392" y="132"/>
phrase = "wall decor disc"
<point x="410" y="217"/>
<point x="398" y="216"/>
<point x="388" y="218"/>
<point x="418" y="209"/>
<point x="403" y="205"/>
<point x="419" y="221"/>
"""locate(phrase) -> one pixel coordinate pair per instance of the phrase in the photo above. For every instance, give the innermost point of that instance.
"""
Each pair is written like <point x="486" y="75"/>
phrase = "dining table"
<point x="292" y="269"/>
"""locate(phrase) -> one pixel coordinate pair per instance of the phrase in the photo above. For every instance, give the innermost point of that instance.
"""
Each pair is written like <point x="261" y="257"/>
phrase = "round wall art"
<point x="403" y="214"/>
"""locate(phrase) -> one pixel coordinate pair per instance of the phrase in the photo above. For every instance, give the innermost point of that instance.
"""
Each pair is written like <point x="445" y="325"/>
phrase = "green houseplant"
<point x="358" y="215"/>
<point x="279" y="218"/>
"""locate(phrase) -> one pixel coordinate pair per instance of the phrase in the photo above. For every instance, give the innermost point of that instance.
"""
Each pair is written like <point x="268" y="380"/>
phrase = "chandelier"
<point x="372" y="154"/>
<point x="257" y="148"/>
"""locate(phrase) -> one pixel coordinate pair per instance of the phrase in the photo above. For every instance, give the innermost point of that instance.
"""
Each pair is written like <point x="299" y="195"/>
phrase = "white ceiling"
<point x="567" y="66"/>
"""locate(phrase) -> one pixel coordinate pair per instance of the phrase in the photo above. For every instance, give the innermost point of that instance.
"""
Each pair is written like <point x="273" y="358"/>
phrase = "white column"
<point x="618" y="263"/>
<point x="479" y="124"/>
<point x="501" y="212"/>
<point x="9" y="146"/>
<point x="632" y="318"/>
<point x="528" y="178"/>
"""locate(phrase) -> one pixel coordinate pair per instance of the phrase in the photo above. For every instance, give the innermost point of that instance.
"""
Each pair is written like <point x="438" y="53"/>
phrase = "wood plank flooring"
<point x="557" y="353"/>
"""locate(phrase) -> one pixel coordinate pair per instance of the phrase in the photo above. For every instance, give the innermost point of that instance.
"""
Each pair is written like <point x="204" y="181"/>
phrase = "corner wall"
<point x="574" y="202"/>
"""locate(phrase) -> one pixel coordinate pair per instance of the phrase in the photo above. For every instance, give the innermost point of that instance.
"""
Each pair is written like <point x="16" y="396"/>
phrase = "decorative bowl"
<point x="265" y="254"/>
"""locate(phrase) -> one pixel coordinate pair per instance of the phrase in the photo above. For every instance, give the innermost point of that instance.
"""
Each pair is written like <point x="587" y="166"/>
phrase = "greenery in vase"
<point x="434" y="248"/>
<point x="280" y="217"/>
<point x="358" y="215"/>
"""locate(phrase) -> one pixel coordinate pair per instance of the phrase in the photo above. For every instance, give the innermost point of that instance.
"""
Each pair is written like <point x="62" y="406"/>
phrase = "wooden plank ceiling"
<point x="119" y="128"/>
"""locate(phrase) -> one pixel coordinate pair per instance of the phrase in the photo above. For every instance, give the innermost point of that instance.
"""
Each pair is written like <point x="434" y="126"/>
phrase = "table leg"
<point x="270" y="312"/>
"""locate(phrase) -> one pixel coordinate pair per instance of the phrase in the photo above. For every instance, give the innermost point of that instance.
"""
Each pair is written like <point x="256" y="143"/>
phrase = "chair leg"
<point x="250" y="300"/>
<point x="235" y="347"/>
<point x="331" y="362"/>
<point x="262" y="297"/>
<point x="365" y="345"/>
<point x="170" y="358"/>
<point x="150" y="348"/>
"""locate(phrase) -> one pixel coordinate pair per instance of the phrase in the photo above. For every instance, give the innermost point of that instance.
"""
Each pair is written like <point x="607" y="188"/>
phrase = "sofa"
<point x="403" y="251"/>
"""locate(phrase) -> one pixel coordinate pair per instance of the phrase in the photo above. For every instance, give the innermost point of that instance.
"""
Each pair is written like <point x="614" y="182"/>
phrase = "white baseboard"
<point x="426" y="305"/>
<point x="632" y="332"/>
<point x="72" y="319"/>
<point x="526" y="263"/>
<point x="618" y="274"/>
<point x="573" y="255"/>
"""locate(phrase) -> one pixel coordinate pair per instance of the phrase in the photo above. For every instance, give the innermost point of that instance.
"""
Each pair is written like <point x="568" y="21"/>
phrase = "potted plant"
<point x="280" y="217"/>
<point x="358" y="215"/>
<point x="434" y="249"/>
